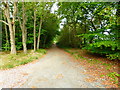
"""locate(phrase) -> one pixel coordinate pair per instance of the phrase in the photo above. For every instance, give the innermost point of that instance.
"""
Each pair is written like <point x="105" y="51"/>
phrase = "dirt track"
<point x="55" y="70"/>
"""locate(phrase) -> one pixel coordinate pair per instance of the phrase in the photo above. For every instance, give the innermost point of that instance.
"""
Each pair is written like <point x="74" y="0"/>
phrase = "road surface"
<point x="57" y="70"/>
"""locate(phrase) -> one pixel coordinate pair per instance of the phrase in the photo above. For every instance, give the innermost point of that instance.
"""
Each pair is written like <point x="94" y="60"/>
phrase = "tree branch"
<point x="4" y="22"/>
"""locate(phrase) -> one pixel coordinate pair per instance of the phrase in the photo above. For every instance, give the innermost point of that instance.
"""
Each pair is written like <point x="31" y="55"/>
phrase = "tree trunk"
<point x="34" y="31"/>
<point x="11" y="24"/>
<point x="23" y="28"/>
<point x="14" y="14"/>
<point x="7" y="40"/>
<point x="24" y="40"/>
<point x="12" y="39"/>
<point x="38" y="41"/>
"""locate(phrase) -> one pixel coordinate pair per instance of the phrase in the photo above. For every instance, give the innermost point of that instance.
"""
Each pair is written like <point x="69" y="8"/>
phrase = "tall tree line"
<point x="91" y="25"/>
<point x="26" y="22"/>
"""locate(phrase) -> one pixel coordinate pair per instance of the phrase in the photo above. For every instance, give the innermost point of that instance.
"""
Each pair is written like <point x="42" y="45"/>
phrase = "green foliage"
<point x="9" y="66"/>
<point x="49" y="30"/>
<point x="89" y="25"/>
<point x="92" y="26"/>
<point x="114" y="76"/>
<point x="43" y="51"/>
<point x="109" y="48"/>
<point x="114" y="56"/>
<point x="5" y="47"/>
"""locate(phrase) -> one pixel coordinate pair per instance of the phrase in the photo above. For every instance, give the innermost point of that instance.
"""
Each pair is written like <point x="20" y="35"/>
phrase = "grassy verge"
<point x="9" y="61"/>
<point x="101" y="67"/>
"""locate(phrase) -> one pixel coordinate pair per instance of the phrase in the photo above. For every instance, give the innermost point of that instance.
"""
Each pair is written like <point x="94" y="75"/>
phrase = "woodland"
<point x="93" y="26"/>
<point x="88" y="31"/>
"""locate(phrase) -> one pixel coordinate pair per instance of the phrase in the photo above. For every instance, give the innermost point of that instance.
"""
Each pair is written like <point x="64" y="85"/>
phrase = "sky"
<point x="54" y="7"/>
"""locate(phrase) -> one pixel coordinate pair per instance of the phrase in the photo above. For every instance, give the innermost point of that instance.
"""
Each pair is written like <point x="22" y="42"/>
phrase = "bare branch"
<point x="4" y="22"/>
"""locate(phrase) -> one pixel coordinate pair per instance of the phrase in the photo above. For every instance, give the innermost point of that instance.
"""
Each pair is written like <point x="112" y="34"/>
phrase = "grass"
<point x="101" y="66"/>
<point x="10" y="61"/>
<point x="113" y="76"/>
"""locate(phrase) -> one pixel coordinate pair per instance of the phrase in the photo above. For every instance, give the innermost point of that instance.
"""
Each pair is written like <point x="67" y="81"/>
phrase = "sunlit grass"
<point x="9" y="61"/>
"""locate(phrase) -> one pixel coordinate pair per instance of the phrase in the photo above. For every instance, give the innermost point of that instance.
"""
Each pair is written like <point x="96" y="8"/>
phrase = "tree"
<point x="10" y="23"/>
<point x="23" y="27"/>
<point x="34" y="29"/>
<point x="94" y="23"/>
<point x="44" y="8"/>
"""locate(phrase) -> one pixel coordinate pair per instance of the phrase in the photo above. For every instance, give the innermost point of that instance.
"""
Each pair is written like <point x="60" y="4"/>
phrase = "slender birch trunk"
<point x="23" y="28"/>
<point x="11" y="25"/>
<point x="38" y="41"/>
<point x="34" y="31"/>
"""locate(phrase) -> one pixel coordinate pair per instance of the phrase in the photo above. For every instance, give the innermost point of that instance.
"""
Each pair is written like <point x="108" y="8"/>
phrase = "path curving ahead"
<point x="56" y="70"/>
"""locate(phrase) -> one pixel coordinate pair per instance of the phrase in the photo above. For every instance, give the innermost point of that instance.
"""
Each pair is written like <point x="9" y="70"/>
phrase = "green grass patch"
<point x="10" y="61"/>
<point x="43" y="51"/>
<point x="114" y="76"/>
<point x="102" y="75"/>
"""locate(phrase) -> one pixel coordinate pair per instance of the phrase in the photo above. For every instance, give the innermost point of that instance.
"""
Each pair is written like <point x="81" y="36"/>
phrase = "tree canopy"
<point x="91" y="25"/>
<point x="31" y="25"/>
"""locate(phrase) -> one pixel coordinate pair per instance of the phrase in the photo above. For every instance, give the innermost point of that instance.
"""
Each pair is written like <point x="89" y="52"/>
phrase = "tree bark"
<point x="4" y="22"/>
<point x="24" y="31"/>
<point x="38" y="41"/>
<point x="11" y="24"/>
<point x="14" y="14"/>
<point x="23" y="28"/>
<point x="34" y="31"/>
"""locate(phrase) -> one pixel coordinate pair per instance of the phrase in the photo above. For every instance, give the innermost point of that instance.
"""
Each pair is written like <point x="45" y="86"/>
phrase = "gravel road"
<point x="57" y="70"/>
